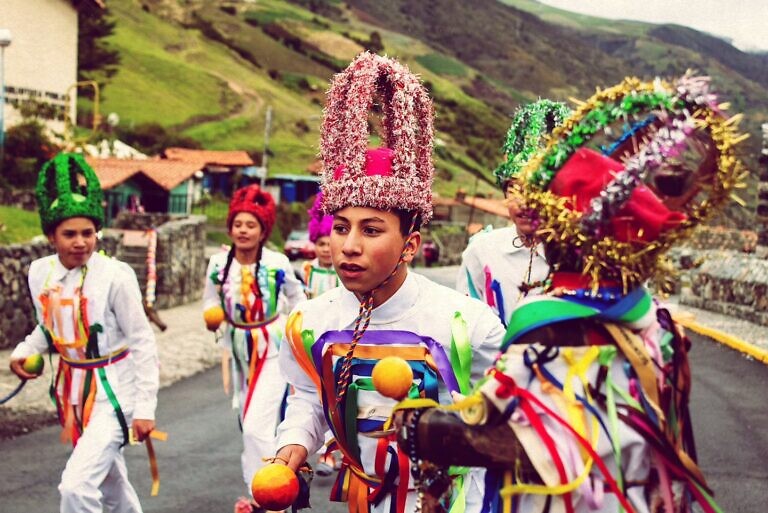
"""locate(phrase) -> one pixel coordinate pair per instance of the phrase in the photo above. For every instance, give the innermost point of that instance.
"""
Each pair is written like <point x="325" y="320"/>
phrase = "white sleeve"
<point x="304" y="423"/>
<point x="471" y="278"/>
<point x="210" y="295"/>
<point x="125" y="302"/>
<point x="35" y="342"/>
<point x="292" y="289"/>
<point x="486" y="338"/>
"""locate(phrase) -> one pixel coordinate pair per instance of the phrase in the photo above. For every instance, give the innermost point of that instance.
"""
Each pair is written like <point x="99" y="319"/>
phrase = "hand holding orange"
<point x="392" y="377"/>
<point x="275" y="487"/>
<point x="34" y="364"/>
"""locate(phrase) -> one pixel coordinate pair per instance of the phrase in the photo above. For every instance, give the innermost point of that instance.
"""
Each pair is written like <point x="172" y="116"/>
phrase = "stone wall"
<point x="730" y="282"/>
<point x="181" y="262"/>
<point x="180" y="265"/>
<point x="18" y="198"/>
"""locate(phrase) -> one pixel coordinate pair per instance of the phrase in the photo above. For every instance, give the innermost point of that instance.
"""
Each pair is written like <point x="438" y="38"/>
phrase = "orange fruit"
<point x="213" y="317"/>
<point x="34" y="364"/>
<point x="275" y="487"/>
<point x="392" y="377"/>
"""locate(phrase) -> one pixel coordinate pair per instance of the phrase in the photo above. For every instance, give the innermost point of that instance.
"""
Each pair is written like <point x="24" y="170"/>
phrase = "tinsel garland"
<point x="407" y="131"/>
<point x="149" y="295"/>
<point x="686" y="105"/>
<point x="527" y="133"/>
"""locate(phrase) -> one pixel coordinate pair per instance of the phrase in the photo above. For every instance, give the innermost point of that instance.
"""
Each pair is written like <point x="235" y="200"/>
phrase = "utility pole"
<point x="267" y="129"/>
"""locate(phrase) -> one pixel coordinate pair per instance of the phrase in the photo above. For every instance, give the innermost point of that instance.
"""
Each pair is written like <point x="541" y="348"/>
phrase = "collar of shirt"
<point x="507" y="243"/>
<point x="393" y="309"/>
<point x="62" y="274"/>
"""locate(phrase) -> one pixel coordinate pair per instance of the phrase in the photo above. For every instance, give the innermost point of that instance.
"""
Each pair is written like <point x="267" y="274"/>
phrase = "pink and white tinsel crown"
<point x="398" y="176"/>
<point x="319" y="225"/>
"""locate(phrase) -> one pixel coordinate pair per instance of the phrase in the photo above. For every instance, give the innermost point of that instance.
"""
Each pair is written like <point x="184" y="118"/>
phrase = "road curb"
<point x="759" y="354"/>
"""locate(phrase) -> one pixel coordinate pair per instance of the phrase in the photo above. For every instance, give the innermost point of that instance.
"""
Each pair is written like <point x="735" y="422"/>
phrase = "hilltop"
<point x="211" y="69"/>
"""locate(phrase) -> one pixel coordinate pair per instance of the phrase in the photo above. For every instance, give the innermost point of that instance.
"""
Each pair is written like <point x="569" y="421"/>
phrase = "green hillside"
<point x="210" y="69"/>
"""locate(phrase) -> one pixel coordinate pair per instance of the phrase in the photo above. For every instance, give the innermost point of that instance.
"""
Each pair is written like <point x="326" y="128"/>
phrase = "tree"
<point x="27" y="148"/>
<point x="96" y="60"/>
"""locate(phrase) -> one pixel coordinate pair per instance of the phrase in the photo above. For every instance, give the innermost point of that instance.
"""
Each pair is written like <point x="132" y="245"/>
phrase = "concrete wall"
<point x="41" y="62"/>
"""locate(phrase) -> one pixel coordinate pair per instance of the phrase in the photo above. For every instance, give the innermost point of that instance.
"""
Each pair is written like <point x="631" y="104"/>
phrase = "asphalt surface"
<point x="200" y="468"/>
<point x="199" y="464"/>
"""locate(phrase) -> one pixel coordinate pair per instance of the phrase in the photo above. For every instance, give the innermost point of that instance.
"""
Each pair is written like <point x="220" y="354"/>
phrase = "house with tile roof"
<point x="158" y="185"/>
<point x="222" y="170"/>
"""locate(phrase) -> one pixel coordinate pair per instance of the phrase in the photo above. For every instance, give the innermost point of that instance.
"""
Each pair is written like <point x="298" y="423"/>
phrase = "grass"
<point x="442" y="64"/>
<point x="17" y="225"/>
<point x="269" y="11"/>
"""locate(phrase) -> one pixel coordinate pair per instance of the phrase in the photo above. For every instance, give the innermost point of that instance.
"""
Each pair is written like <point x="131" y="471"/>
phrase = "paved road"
<point x="200" y="469"/>
<point x="199" y="464"/>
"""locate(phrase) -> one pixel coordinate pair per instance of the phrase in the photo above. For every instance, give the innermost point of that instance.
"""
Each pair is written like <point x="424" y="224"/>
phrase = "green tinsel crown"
<point x="530" y="123"/>
<point x="61" y="195"/>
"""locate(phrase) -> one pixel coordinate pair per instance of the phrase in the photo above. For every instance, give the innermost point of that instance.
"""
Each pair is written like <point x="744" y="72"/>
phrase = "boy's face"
<point x="366" y="244"/>
<point x="517" y="211"/>
<point x="74" y="240"/>
<point x="246" y="232"/>
<point x="323" y="250"/>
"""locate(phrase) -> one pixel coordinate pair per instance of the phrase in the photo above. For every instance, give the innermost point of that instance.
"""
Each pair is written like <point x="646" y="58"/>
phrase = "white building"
<point x="41" y="61"/>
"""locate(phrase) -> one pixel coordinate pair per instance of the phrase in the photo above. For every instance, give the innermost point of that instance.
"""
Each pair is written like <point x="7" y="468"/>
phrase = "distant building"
<point x="223" y="171"/>
<point x="151" y="185"/>
<point x="41" y="62"/>
<point x="293" y="188"/>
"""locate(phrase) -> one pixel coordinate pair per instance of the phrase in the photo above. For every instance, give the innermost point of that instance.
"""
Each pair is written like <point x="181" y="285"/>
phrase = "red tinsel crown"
<point x="255" y="201"/>
<point x="349" y="177"/>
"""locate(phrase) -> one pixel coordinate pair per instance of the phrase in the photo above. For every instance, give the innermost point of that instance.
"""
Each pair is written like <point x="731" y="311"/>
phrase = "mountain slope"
<point x="210" y="69"/>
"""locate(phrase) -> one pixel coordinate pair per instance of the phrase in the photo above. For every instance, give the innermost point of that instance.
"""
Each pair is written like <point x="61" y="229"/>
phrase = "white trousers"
<point x="95" y="476"/>
<point x="262" y="418"/>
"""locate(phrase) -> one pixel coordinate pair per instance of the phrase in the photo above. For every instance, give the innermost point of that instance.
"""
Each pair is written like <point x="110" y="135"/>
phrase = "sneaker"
<point x="323" y="469"/>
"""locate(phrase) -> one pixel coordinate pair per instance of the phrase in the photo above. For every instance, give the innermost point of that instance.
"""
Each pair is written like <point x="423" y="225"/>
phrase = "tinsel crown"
<point x="407" y="132"/>
<point x="254" y="200"/>
<point x="531" y="123"/>
<point x="68" y="187"/>
<point x="662" y="121"/>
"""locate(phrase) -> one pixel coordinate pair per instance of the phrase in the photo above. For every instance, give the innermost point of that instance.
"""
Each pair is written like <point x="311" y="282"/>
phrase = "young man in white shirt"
<point x="501" y="266"/>
<point x="378" y="199"/>
<point x="90" y="311"/>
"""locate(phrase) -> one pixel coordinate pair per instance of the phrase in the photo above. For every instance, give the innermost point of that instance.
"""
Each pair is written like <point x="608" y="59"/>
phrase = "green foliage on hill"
<point x="208" y="70"/>
<point x="17" y="225"/>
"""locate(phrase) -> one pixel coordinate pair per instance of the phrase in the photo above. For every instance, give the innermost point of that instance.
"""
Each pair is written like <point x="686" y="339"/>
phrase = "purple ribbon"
<point x="386" y="338"/>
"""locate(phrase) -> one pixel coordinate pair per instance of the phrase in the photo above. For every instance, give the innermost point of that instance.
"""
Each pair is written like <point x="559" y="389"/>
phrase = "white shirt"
<point x="319" y="279"/>
<point x="291" y="292"/>
<point x="492" y="256"/>
<point x="419" y="306"/>
<point x="113" y="301"/>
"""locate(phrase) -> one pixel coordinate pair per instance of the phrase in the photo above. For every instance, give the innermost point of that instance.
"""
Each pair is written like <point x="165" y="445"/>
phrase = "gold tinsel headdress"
<point x="666" y="163"/>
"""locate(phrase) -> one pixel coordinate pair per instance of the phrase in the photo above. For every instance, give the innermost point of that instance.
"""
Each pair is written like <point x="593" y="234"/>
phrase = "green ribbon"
<point x="461" y="352"/>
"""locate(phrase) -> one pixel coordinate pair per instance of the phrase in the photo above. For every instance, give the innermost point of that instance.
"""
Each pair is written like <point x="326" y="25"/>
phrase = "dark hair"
<point x="406" y="217"/>
<point x="231" y="256"/>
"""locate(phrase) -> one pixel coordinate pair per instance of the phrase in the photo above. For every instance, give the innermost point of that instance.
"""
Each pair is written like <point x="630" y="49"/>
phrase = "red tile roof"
<point x="212" y="157"/>
<point x="164" y="172"/>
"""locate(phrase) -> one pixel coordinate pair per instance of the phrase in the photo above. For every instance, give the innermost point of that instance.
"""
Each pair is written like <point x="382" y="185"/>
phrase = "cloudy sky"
<point x="745" y="22"/>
